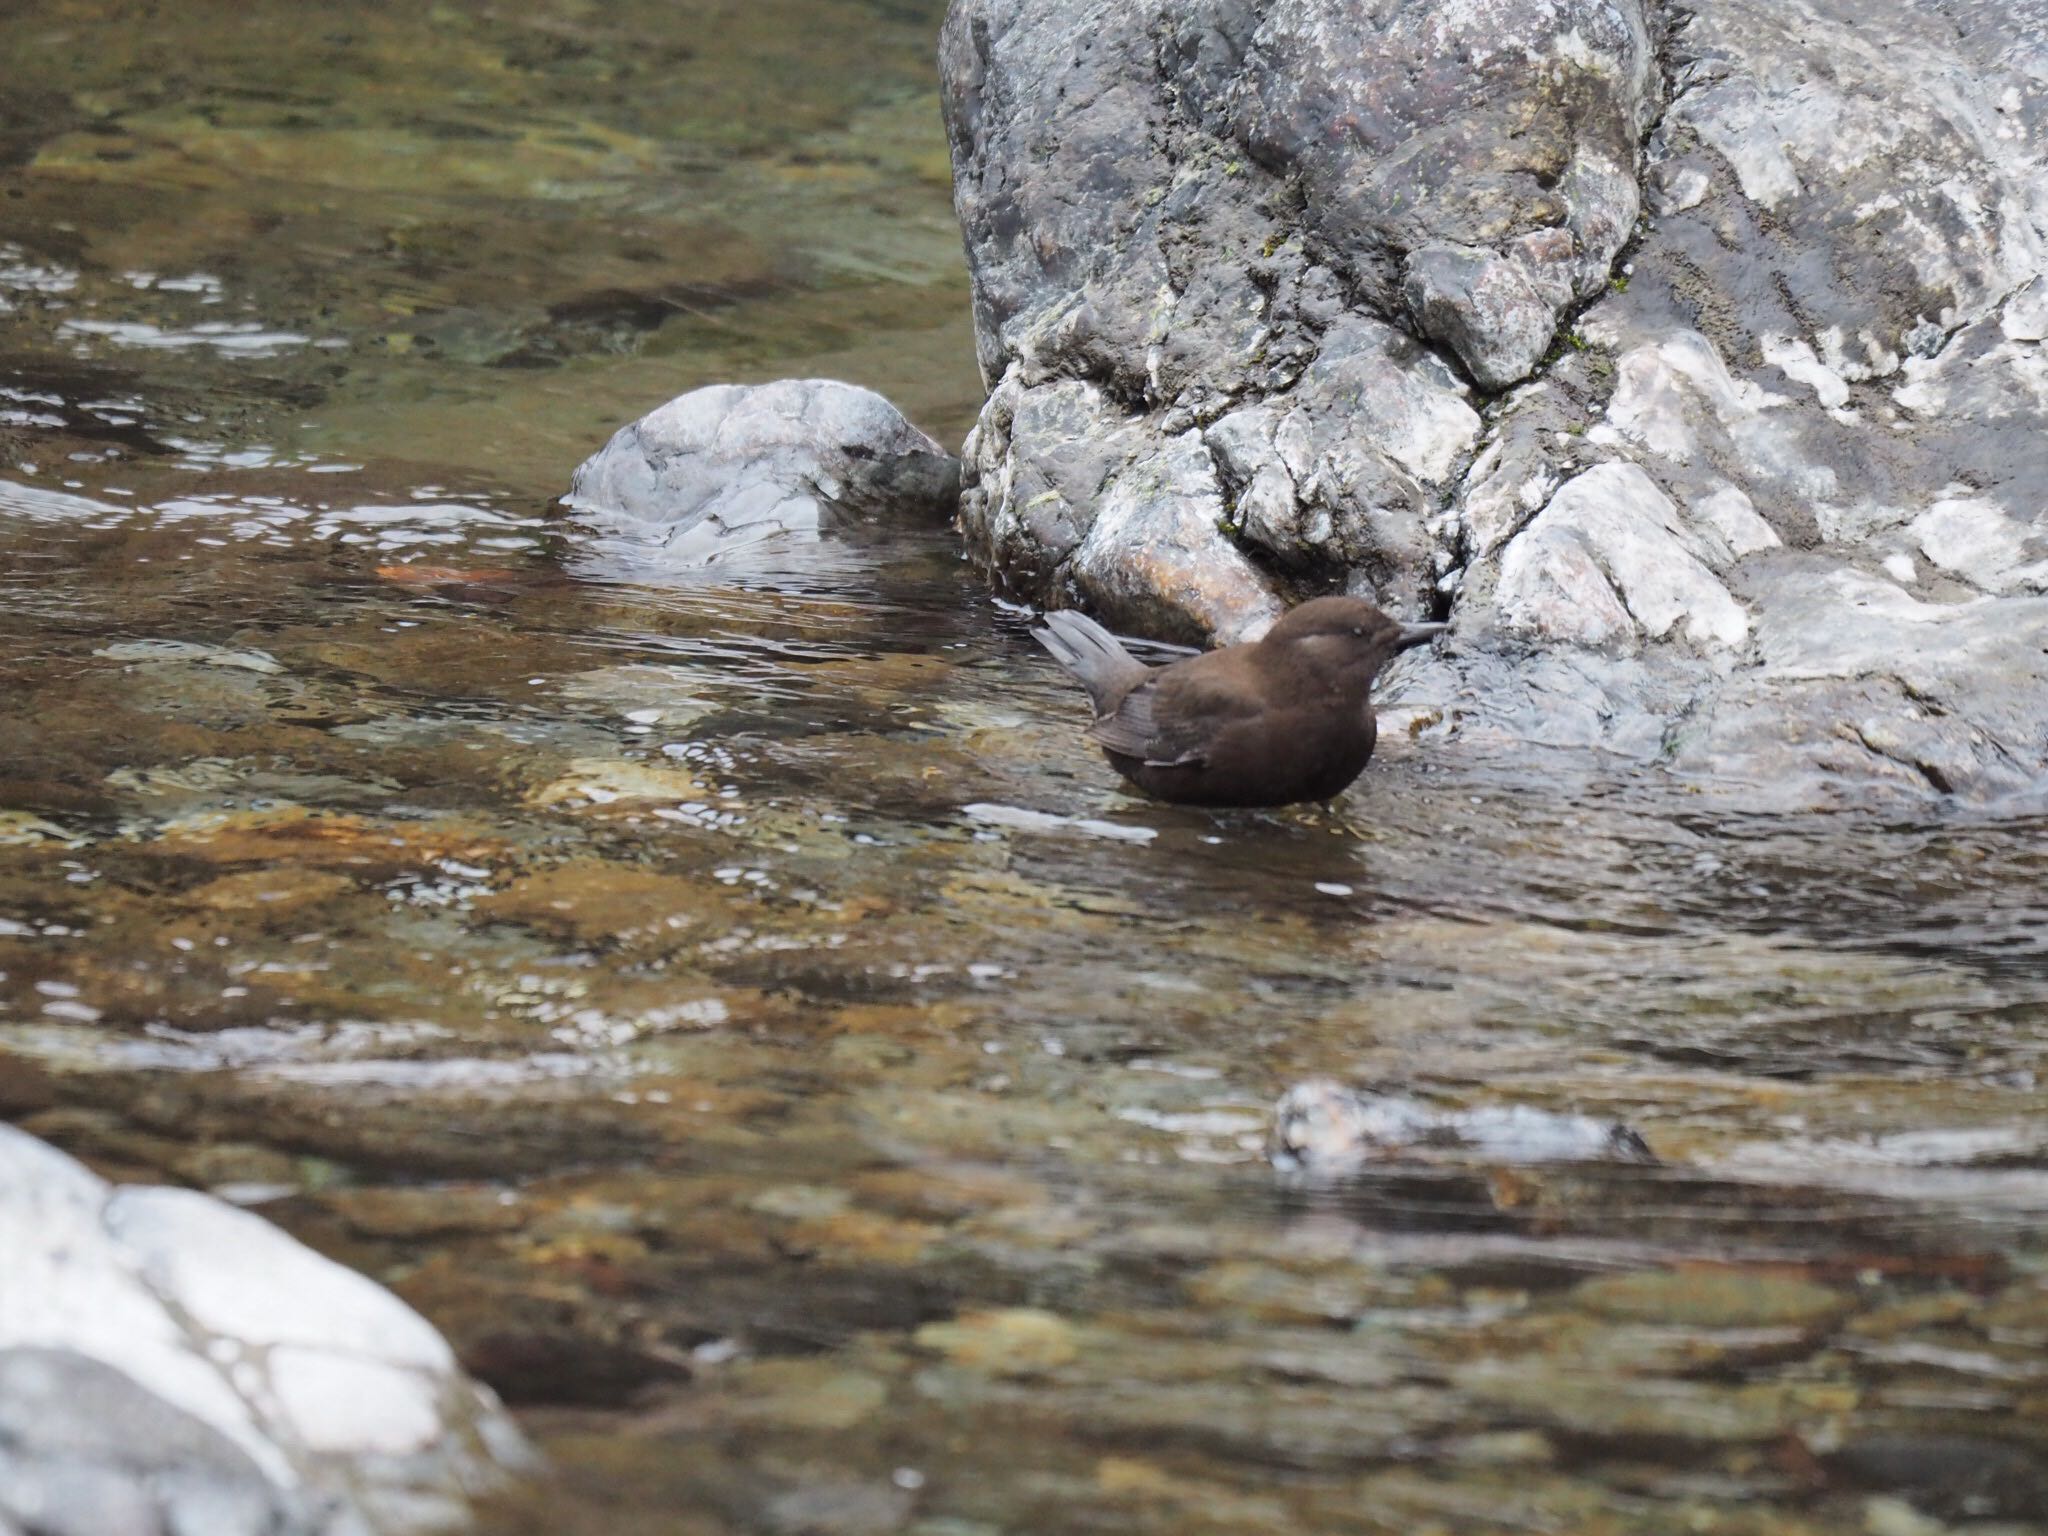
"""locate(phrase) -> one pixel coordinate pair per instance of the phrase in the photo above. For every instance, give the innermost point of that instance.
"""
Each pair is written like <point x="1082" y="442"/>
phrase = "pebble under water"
<point x="750" y="1020"/>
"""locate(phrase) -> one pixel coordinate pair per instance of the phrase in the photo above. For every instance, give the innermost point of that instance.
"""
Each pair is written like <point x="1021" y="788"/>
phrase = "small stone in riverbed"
<point x="808" y="1394"/>
<point x="405" y="1214"/>
<point x="1598" y="1407"/>
<point x="1502" y="1448"/>
<point x="1713" y="1298"/>
<point x="274" y="891"/>
<point x="1895" y="1517"/>
<point x="2019" y="1314"/>
<point x="599" y="782"/>
<point x="1017" y="1341"/>
<point x="1277" y="1295"/>
<point x="597" y="901"/>
<point x="1939" y="1310"/>
<point x="838" y="1506"/>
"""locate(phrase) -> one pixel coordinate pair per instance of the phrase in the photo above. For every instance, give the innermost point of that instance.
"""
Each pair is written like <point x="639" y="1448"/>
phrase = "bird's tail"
<point x="1093" y="655"/>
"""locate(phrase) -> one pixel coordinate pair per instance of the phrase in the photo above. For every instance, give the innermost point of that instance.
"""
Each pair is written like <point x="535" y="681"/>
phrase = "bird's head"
<point x="1343" y="636"/>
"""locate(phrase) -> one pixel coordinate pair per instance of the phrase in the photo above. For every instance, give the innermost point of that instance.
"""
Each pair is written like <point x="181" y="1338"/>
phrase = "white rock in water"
<point x="730" y="468"/>
<point x="185" y="1356"/>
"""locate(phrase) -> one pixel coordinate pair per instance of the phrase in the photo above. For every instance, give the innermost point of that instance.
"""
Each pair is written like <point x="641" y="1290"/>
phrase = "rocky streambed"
<point x="764" y="1040"/>
<point x="745" y="1020"/>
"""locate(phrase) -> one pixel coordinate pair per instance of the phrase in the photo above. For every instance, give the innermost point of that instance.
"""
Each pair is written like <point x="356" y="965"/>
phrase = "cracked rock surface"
<point x="169" y="1363"/>
<point x="1279" y="297"/>
<point x="1778" y="519"/>
<point x="1289" y="238"/>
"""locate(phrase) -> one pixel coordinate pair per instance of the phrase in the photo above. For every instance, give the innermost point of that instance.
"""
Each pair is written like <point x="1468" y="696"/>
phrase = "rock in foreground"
<point x="170" y="1364"/>
<point x="729" y="472"/>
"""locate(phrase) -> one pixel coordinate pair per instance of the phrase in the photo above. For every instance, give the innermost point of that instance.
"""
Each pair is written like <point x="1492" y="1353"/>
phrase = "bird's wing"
<point x="1168" y="720"/>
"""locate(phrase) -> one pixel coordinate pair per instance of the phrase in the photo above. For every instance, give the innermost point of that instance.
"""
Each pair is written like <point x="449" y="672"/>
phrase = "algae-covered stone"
<point x="1714" y="1298"/>
<point x="806" y="1394"/>
<point x="279" y="892"/>
<point x="592" y="901"/>
<point x="297" y="835"/>
<point x="1018" y="1341"/>
<point x="2019" y="1313"/>
<point x="1593" y="1404"/>
<point x="1335" y="1295"/>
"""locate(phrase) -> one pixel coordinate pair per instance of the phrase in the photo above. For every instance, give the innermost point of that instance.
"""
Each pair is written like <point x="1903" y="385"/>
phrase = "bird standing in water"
<point x="1282" y="719"/>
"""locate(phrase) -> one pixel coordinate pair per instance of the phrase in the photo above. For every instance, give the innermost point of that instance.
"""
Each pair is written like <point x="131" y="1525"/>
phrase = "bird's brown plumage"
<point x="1283" y="719"/>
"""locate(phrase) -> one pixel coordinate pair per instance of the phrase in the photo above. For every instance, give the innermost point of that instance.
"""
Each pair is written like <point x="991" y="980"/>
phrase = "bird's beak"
<point x="1413" y="635"/>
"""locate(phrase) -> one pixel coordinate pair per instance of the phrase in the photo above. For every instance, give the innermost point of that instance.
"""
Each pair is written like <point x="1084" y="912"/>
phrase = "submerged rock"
<point x="729" y="471"/>
<point x="171" y="1363"/>
<point x="1314" y="294"/>
<point x="1324" y="1128"/>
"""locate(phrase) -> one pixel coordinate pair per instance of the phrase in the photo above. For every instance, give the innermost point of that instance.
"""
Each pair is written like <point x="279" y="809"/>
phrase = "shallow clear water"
<point x="749" y="1020"/>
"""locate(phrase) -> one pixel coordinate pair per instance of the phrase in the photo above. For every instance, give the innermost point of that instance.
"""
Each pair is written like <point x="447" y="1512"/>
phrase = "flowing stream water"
<point x="748" y="1019"/>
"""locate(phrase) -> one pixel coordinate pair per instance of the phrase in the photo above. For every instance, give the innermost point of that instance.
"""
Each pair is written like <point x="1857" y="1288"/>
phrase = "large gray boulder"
<point x="1211" y="234"/>
<point x="1721" y="441"/>
<point x="730" y="473"/>
<point x="173" y="1366"/>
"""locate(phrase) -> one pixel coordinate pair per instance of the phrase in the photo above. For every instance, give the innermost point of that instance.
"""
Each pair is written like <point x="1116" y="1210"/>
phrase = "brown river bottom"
<point x="749" y="1020"/>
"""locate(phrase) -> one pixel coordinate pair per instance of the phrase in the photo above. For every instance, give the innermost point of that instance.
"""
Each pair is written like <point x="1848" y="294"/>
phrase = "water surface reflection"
<point x="757" y="1027"/>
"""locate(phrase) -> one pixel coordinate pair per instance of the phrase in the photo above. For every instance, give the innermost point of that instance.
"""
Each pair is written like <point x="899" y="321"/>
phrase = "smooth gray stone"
<point x="728" y="474"/>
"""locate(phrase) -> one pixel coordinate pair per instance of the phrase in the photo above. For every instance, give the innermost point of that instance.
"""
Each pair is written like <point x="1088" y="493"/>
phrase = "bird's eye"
<point x="1358" y="630"/>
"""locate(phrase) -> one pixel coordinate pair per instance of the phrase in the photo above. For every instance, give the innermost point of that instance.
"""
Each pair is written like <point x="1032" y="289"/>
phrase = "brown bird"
<point x="1279" y="720"/>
